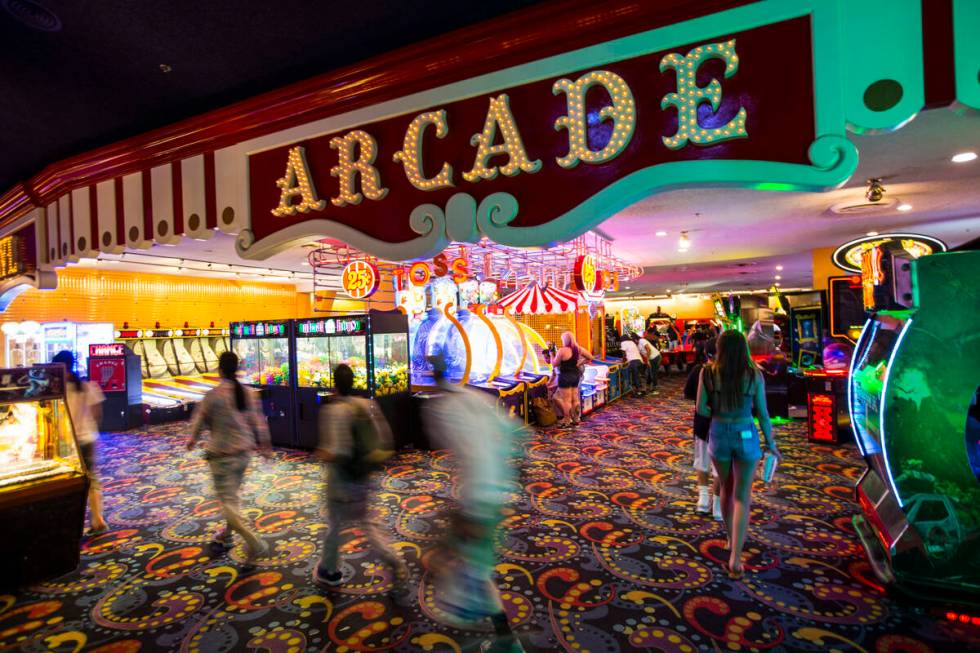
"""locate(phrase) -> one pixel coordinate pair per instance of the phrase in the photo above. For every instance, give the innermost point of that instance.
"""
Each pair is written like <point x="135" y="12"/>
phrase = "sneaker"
<point x="328" y="578"/>
<point x="704" y="503"/>
<point x="222" y="541"/>
<point x="716" y="509"/>
<point x="252" y="555"/>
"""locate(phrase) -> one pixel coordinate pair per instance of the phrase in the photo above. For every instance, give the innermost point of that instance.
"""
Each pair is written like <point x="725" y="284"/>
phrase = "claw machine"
<point x="43" y="482"/>
<point x="374" y="345"/>
<point x="264" y="355"/>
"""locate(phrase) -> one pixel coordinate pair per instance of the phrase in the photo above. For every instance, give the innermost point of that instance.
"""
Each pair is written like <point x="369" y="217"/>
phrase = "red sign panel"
<point x="114" y="349"/>
<point x="360" y="279"/>
<point x="108" y="373"/>
<point x="521" y="164"/>
<point x="822" y="417"/>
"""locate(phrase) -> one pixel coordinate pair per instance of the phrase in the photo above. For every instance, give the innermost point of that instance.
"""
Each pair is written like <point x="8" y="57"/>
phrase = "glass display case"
<point x="390" y="363"/>
<point x="43" y="484"/>
<point x="265" y="353"/>
<point x="375" y="346"/>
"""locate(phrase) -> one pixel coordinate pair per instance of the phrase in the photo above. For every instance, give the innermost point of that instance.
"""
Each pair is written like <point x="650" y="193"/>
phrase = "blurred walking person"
<point x="85" y="408"/>
<point x="355" y="440"/>
<point x="482" y="440"/>
<point x="233" y="415"/>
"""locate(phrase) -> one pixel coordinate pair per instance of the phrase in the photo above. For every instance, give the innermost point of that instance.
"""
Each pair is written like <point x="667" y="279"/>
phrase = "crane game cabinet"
<point x="43" y="482"/>
<point x="374" y="345"/>
<point x="264" y="354"/>
<point x="913" y="400"/>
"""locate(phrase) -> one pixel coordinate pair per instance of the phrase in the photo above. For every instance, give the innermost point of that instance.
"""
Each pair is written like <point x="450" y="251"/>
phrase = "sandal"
<point x="733" y="573"/>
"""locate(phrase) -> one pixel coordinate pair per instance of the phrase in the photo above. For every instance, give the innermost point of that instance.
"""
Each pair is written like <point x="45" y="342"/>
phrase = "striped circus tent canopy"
<point x="535" y="300"/>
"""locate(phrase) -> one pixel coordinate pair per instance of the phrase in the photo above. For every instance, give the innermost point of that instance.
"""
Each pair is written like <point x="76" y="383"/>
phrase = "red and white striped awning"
<point x="535" y="300"/>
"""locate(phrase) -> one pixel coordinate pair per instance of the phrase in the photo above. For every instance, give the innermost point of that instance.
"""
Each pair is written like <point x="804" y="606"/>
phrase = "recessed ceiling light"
<point x="776" y="284"/>
<point x="871" y="233"/>
<point x="904" y="207"/>
<point x="778" y="277"/>
<point x="661" y="234"/>
<point x="964" y="157"/>
<point x="627" y="287"/>
<point x="779" y="267"/>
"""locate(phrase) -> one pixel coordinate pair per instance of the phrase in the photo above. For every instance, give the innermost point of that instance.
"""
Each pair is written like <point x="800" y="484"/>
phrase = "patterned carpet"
<point x="604" y="553"/>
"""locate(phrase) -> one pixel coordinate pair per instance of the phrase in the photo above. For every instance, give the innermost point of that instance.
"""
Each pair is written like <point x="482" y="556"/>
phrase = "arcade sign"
<point x="850" y="256"/>
<point x="545" y="160"/>
<point x="347" y="326"/>
<point x="586" y="275"/>
<point x="13" y="257"/>
<point x="360" y="279"/>
<point x="260" y="329"/>
<point x="114" y="349"/>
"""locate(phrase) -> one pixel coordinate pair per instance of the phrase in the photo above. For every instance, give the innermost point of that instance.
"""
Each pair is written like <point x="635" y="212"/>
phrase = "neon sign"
<point x="117" y="349"/>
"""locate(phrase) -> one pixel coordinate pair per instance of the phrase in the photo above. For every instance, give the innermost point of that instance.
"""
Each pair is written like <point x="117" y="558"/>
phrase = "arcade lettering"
<point x="420" y="273"/>
<point x="11" y="257"/>
<point x="499" y="147"/>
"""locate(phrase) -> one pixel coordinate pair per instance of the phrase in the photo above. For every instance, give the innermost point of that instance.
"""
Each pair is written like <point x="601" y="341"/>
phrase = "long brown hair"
<point x="732" y="366"/>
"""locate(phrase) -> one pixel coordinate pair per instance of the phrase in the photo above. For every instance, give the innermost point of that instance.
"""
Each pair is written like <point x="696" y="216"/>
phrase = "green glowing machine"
<point x="913" y="402"/>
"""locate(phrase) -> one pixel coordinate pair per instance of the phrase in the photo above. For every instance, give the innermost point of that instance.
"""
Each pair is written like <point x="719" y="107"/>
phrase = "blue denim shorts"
<point x="725" y="441"/>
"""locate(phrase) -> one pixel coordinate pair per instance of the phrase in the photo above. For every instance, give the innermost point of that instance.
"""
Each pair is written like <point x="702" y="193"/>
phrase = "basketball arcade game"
<point x="912" y="398"/>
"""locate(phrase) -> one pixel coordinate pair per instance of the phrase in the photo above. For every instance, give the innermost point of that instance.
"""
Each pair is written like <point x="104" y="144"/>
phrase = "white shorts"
<point x="702" y="459"/>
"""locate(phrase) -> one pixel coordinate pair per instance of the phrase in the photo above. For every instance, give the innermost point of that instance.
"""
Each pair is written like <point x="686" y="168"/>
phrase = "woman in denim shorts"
<point x="728" y="391"/>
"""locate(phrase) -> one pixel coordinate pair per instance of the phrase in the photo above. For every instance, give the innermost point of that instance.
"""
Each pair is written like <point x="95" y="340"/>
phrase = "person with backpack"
<point x="84" y="400"/>
<point x="481" y="438"/>
<point x="355" y="440"/>
<point x="234" y="417"/>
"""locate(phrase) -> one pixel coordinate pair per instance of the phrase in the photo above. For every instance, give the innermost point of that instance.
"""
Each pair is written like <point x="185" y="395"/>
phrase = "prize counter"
<point x="43" y="484"/>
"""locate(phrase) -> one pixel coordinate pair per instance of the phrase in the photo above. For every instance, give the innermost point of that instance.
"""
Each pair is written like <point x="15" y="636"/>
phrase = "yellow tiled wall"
<point x="144" y="299"/>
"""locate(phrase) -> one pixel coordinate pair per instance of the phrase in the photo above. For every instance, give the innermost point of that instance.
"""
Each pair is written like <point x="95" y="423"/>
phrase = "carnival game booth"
<point x="265" y="362"/>
<point x="43" y="484"/>
<point x="374" y="345"/>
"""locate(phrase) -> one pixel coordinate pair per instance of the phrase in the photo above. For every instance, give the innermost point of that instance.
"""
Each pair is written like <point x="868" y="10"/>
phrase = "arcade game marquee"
<point x="913" y="401"/>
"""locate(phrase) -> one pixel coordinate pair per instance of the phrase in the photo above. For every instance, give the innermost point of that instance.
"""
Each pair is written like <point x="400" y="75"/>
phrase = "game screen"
<point x="846" y="308"/>
<point x="869" y="369"/>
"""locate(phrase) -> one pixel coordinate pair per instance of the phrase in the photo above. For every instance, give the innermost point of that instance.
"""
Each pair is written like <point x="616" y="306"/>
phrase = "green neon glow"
<point x="771" y="185"/>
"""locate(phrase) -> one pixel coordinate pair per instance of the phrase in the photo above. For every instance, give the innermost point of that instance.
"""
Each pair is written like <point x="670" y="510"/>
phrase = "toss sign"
<point x="360" y="279"/>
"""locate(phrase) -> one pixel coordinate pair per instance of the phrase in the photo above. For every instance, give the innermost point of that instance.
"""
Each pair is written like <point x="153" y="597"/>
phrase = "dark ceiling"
<point x="77" y="74"/>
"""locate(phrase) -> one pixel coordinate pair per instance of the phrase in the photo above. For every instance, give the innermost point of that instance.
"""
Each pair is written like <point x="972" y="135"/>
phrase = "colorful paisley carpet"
<point x="604" y="553"/>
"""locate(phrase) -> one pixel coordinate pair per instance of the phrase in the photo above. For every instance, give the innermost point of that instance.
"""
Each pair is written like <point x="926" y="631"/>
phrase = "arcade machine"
<point x="76" y="338"/>
<point x="263" y="350"/>
<point x="374" y="345"/>
<point x="205" y="347"/>
<point x="914" y="382"/>
<point x="159" y="404"/>
<point x="117" y="371"/>
<point x="23" y="343"/>
<point x="522" y="358"/>
<point x="806" y="333"/>
<point x="43" y="485"/>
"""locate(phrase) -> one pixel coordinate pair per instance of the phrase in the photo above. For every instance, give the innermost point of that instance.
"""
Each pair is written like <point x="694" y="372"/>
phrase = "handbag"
<point x="702" y="424"/>
<point x="544" y="414"/>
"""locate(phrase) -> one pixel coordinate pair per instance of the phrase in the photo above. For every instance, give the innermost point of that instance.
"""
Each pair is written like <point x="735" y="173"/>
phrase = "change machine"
<point x="118" y="372"/>
<point x="913" y="391"/>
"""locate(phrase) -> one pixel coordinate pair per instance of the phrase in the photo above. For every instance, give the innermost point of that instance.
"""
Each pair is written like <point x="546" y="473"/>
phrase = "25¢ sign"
<point x="360" y="279"/>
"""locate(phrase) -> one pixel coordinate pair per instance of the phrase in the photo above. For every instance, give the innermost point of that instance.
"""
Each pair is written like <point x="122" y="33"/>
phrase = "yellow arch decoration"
<point x="447" y="311"/>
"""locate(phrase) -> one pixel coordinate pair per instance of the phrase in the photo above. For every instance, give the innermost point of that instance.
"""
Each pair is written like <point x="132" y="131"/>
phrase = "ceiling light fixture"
<point x="964" y="157"/>
<point x="778" y="277"/>
<point x="779" y="267"/>
<point x="871" y="233"/>
<point x="776" y="284"/>
<point x="904" y="207"/>
<point x="661" y="234"/>
<point x="684" y="242"/>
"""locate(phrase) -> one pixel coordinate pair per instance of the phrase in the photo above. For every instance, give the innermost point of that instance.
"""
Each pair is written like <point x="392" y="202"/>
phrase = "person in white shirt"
<point x="652" y="356"/>
<point x="634" y="361"/>
<point x="85" y="408"/>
